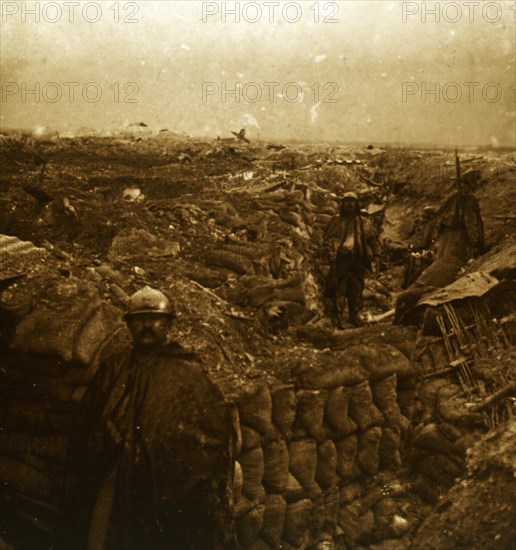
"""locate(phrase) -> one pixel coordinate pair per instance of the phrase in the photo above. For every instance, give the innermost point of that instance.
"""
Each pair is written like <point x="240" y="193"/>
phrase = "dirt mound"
<point x="478" y="512"/>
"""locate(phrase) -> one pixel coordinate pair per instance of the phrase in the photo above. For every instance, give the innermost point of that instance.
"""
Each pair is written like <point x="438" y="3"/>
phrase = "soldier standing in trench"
<point x="461" y="228"/>
<point x="351" y="245"/>
<point x="162" y="436"/>
<point x="460" y="237"/>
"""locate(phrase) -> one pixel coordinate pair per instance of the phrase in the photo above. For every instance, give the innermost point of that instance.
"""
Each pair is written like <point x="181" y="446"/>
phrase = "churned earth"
<point x="233" y="232"/>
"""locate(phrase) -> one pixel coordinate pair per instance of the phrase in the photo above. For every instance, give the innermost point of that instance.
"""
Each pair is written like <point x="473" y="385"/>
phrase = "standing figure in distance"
<point x="461" y="228"/>
<point x="161" y="442"/>
<point x="350" y="245"/>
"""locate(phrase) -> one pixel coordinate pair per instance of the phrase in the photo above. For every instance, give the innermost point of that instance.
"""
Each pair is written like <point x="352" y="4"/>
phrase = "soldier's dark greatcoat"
<point x="163" y="433"/>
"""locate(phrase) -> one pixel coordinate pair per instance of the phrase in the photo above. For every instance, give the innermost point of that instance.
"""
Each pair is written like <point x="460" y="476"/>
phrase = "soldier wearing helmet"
<point x="148" y="317"/>
<point x="161" y="441"/>
<point x="350" y="245"/>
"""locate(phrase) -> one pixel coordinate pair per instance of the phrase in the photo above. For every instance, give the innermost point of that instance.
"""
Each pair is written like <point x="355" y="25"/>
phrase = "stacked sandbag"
<point x="438" y="457"/>
<point x="290" y="299"/>
<point x="262" y="292"/>
<point x="247" y="258"/>
<point x="78" y="324"/>
<point x="54" y="352"/>
<point x="255" y="416"/>
<point x="265" y="256"/>
<point x="222" y="213"/>
<point x="273" y="508"/>
<point x="230" y="260"/>
<point x="447" y="425"/>
<point x="39" y="413"/>
<point x="313" y="452"/>
<point x="290" y="206"/>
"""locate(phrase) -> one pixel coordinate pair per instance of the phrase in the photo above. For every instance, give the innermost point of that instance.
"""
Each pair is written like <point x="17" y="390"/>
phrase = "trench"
<point x="347" y="453"/>
<point x="346" y="439"/>
<point x="311" y="456"/>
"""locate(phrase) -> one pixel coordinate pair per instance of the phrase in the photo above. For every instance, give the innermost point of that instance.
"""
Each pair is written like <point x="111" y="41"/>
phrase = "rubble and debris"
<point x="232" y="233"/>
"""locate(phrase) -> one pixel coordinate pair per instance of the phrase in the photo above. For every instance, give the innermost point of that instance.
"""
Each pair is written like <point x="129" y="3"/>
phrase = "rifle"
<point x="457" y="171"/>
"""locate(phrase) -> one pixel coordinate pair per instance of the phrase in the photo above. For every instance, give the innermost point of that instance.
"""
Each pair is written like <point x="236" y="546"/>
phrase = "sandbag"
<point x="331" y="509"/>
<point x="362" y="409"/>
<point x="255" y="410"/>
<point x="428" y="489"/>
<point x="258" y="296"/>
<point x="289" y="290"/>
<point x="330" y="377"/>
<point x="100" y="328"/>
<point x="292" y="218"/>
<point x="290" y="294"/>
<point x="38" y="463"/>
<point x="261" y="267"/>
<point x="326" y="471"/>
<point x="293" y="490"/>
<point x="75" y="302"/>
<point x="250" y="438"/>
<point x="229" y="260"/>
<point x="350" y="491"/>
<point x="53" y="447"/>
<point x="429" y="437"/>
<point x="207" y="277"/>
<point x="382" y="360"/>
<point x="385" y="398"/>
<point x="407" y="403"/>
<point x="20" y="477"/>
<point x="259" y="544"/>
<point x="276" y="466"/>
<point x="49" y="418"/>
<point x="346" y="456"/>
<point x="243" y="506"/>
<point x="303" y="462"/>
<point x="310" y="412"/>
<point x="38" y="387"/>
<point x="252" y="465"/>
<point x="253" y="251"/>
<point x="440" y="273"/>
<point x="234" y="418"/>
<point x="371" y="497"/>
<point x="390" y="458"/>
<point x="357" y="528"/>
<point x="284" y="409"/>
<point x="275" y="258"/>
<point x="427" y="394"/>
<point x="238" y="481"/>
<point x="337" y="411"/>
<point x="274" y="520"/>
<point x="451" y="432"/>
<point x="296" y="522"/>
<point x="249" y="526"/>
<point x="368" y="455"/>
<point x="389" y="544"/>
<point x="318" y="514"/>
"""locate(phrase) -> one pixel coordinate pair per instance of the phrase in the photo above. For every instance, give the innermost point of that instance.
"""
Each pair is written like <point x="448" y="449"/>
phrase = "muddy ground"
<point x="141" y="208"/>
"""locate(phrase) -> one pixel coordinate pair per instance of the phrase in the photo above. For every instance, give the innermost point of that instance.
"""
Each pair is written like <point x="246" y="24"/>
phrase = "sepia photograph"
<point x="257" y="275"/>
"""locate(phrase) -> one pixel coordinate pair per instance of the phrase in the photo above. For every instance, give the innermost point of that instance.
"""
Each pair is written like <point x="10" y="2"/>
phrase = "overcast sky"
<point x="347" y="71"/>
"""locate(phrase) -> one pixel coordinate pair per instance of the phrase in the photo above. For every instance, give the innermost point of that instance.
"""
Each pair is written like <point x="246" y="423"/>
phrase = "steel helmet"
<point x="149" y="300"/>
<point x="350" y="195"/>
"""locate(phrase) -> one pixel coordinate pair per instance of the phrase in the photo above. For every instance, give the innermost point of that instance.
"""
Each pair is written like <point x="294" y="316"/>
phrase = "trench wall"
<point x="318" y="458"/>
